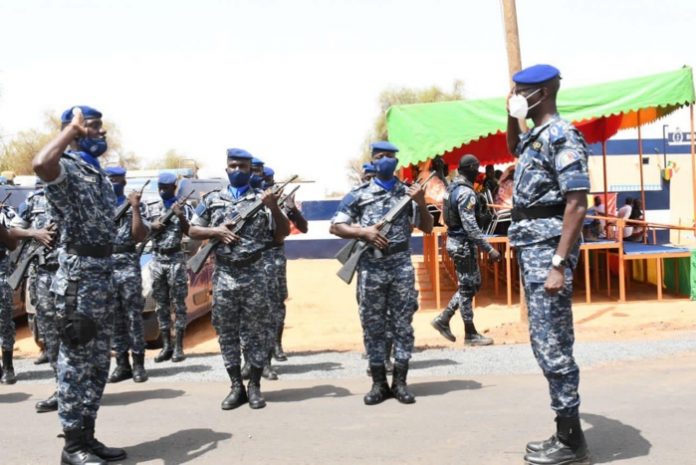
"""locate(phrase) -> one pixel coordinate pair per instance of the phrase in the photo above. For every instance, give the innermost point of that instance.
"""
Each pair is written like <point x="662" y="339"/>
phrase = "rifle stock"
<point x="16" y="278"/>
<point x="196" y="262"/>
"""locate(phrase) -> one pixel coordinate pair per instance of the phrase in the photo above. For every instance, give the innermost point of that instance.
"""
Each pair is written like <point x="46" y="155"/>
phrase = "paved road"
<point x="638" y="404"/>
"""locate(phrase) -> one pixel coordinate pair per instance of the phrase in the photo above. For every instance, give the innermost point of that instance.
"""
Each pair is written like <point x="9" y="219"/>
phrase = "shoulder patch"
<point x="567" y="158"/>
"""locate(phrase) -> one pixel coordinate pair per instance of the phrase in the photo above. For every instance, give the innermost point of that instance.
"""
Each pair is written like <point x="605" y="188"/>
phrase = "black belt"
<point x="124" y="248"/>
<point x="227" y="261"/>
<point x="396" y="248"/>
<point x="533" y="213"/>
<point x="95" y="251"/>
<point x="169" y="251"/>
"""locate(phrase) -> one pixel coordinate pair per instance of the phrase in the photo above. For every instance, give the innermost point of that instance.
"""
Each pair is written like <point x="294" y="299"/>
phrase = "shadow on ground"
<point x="438" y="388"/>
<point x="13" y="397"/>
<point x="306" y="368"/>
<point x="610" y="440"/>
<point x="176" y="448"/>
<point x="35" y="375"/>
<point x="425" y="364"/>
<point x="300" y="394"/>
<point x="176" y="369"/>
<point x="131" y="397"/>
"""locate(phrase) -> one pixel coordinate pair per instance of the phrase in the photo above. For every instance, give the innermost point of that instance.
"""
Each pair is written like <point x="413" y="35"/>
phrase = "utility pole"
<point x="512" y="45"/>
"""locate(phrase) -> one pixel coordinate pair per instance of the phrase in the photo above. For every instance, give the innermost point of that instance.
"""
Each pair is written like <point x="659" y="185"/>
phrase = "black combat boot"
<point x="566" y="447"/>
<point x="246" y="368"/>
<point x="399" y="388"/>
<point x="8" y="374"/>
<point x="256" y="400"/>
<point x="268" y="371"/>
<point x="178" y="355"/>
<point x="48" y="405"/>
<point x="442" y="324"/>
<point x="278" y="352"/>
<point x="76" y="452"/>
<point x="166" y="352"/>
<point x="42" y="358"/>
<point x="123" y="370"/>
<point x="473" y="338"/>
<point x="380" y="389"/>
<point x="110" y="454"/>
<point x="237" y="395"/>
<point x="139" y="373"/>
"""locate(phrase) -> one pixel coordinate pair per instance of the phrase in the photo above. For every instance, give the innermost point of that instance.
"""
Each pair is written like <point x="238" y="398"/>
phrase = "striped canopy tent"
<point x="451" y="129"/>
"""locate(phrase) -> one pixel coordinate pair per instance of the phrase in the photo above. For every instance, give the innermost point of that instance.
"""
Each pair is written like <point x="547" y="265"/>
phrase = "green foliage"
<point x="398" y="96"/>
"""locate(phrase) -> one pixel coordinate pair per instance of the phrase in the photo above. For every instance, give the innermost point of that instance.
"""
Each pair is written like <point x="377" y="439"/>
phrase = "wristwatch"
<point x="558" y="262"/>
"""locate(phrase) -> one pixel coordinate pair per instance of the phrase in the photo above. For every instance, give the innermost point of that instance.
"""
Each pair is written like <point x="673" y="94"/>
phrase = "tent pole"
<point x="640" y="165"/>
<point x="604" y="173"/>
<point x="693" y="161"/>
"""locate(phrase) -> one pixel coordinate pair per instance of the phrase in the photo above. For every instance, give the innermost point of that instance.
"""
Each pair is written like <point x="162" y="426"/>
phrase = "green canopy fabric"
<point x="423" y="131"/>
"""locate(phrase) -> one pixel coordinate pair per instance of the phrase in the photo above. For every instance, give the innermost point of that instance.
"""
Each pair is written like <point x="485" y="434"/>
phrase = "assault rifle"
<point x="351" y="253"/>
<point x="235" y="225"/>
<point x="164" y="220"/>
<point x="37" y="251"/>
<point x="123" y="209"/>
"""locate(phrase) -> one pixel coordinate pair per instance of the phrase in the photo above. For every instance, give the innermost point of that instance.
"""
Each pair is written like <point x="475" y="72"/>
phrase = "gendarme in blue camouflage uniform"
<point x="82" y="202"/>
<point x="552" y="163"/>
<point x="386" y="286"/>
<point x="464" y="239"/>
<point x="7" y="327"/>
<point x="128" y="319"/>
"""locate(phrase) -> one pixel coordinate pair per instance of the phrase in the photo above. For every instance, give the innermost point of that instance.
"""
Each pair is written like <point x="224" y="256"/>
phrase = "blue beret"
<point x="239" y="153"/>
<point x="115" y="171"/>
<point x="87" y="112"/>
<point x="383" y="146"/>
<point x="536" y="74"/>
<point x="268" y="171"/>
<point x="368" y="168"/>
<point x="255" y="161"/>
<point x="166" y="178"/>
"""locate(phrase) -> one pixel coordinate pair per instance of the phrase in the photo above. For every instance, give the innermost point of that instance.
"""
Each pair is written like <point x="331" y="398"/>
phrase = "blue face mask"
<point x="94" y="147"/>
<point x="385" y="166"/>
<point x="118" y="189"/>
<point x="256" y="181"/>
<point x="238" y="178"/>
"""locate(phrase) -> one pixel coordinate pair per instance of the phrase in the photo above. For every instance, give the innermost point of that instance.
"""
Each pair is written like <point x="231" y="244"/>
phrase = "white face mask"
<point x="519" y="107"/>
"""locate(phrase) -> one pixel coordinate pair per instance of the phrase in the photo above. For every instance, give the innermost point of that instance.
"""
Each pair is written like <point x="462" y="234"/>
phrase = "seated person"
<point x="637" y="231"/>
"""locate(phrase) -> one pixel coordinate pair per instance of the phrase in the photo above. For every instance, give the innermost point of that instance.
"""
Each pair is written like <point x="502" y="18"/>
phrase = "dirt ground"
<point x="322" y="315"/>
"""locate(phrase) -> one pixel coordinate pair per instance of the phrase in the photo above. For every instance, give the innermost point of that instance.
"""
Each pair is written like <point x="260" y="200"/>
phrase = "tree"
<point x="172" y="159"/>
<point x="16" y="154"/>
<point x="398" y="96"/>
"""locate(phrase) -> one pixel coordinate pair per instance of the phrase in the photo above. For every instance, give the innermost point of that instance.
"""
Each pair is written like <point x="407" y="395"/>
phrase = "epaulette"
<point x="218" y="189"/>
<point x="557" y="132"/>
<point x="360" y="186"/>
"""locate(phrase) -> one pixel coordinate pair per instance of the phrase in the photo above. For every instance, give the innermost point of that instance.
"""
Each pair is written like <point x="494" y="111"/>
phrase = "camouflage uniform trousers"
<point x="128" y="318"/>
<point x="43" y="300"/>
<point x="170" y="287"/>
<point x="279" y="273"/>
<point x="240" y="307"/>
<point x="7" y="326"/>
<point x="551" y="324"/>
<point x="84" y="369"/>
<point x="388" y="299"/>
<point x="464" y="255"/>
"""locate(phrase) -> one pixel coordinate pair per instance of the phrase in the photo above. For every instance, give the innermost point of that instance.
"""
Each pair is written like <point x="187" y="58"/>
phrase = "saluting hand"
<point x="225" y="235"/>
<point x="78" y="122"/>
<point x="372" y="235"/>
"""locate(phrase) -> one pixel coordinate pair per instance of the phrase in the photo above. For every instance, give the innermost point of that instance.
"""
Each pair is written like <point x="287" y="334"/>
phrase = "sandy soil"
<point x="322" y="315"/>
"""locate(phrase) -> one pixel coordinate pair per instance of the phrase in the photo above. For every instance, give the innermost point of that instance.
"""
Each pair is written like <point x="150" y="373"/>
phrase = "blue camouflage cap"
<point x="268" y="171"/>
<point x="368" y="168"/>
<point x="87" y="112"/>
<point x="383" y="146"/>
<point x="166" y="178"/>
<point x="256" y="162"/>
<point x="536" y="74"/>
<point x="239" y="153"/>
<point x="115" y="171"/>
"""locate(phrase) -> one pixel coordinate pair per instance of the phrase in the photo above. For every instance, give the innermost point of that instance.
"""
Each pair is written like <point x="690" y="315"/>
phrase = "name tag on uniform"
<point x="87" y="178"/>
